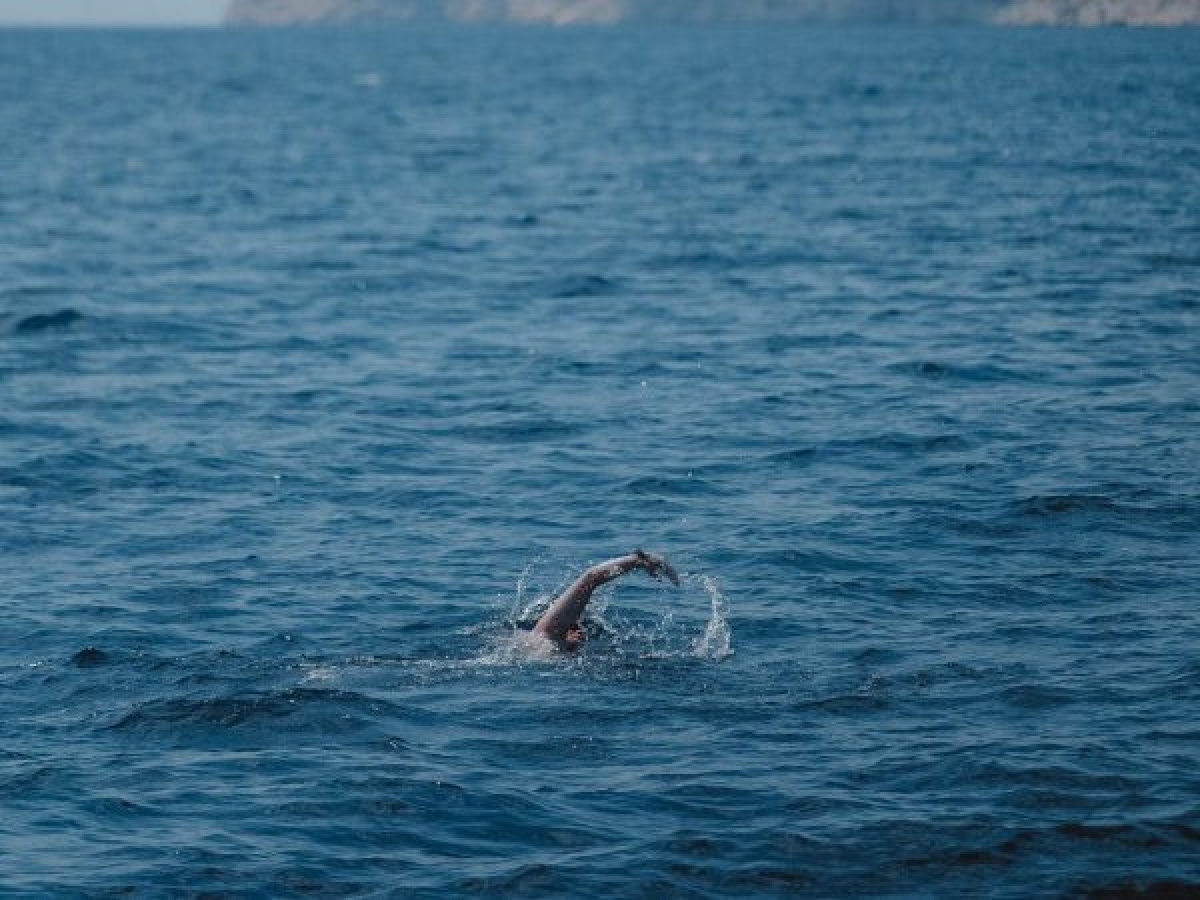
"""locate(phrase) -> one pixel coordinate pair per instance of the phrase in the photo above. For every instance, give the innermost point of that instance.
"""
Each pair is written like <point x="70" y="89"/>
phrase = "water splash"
<point x="714" y="644"/>
<point x="610" y="636"/>
<point x="524" y="605"/>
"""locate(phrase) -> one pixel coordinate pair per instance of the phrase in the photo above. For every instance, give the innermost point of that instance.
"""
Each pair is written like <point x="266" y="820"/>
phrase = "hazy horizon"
<point x="128" y="12"/>
<point x="212" y="12"/>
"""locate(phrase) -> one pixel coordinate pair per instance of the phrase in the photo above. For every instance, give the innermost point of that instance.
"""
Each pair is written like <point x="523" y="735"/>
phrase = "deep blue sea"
<point x="326" y="358"/>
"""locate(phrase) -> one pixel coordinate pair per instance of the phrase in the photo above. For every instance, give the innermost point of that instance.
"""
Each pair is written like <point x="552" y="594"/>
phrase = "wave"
<point x="62" y="318"/>
<point x="1049" y="505"/>
<point x="301" y="708"/>
<point x="944" y="371"/>
<point x="90" y="657"/>
<point x="684" y="486"/>
<point x="1147" y="889"/>
<point x="892" y="444"/>
<point x="519" y="431"/>
<point x="573" y="287"/>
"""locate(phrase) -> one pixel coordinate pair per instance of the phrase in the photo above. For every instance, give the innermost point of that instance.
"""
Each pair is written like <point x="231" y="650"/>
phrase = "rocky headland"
<point x="608" y="12"/>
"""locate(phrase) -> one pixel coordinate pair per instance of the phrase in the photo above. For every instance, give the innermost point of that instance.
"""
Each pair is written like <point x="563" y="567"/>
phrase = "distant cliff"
<point x="605" y="12"/>
<point x="1101" y="12"/>
<point x="600" y="12"/>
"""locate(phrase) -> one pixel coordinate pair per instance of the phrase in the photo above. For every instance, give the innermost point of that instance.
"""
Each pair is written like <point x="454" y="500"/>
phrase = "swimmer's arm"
<point x="568" y="608"/>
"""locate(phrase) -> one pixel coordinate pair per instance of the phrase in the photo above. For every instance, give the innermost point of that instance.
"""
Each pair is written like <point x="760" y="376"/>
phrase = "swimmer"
<point x="560" y="623"/>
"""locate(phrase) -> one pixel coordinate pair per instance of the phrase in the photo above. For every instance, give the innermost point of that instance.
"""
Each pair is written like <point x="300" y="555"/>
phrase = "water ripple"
<point x="328" y="358"/>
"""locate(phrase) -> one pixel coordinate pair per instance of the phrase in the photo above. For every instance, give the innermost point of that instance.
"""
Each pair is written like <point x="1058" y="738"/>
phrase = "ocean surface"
<point x="326" y="358"/>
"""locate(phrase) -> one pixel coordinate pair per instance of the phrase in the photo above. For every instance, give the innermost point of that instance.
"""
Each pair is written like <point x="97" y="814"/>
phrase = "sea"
<point x="327" y="357"/>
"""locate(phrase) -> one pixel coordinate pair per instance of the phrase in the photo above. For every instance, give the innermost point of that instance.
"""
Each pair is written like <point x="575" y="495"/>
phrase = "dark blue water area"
<point x="327" y="357"/>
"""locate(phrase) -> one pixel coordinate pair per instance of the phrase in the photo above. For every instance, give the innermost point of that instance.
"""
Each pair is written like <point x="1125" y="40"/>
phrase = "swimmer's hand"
<point x="656" y="566"/>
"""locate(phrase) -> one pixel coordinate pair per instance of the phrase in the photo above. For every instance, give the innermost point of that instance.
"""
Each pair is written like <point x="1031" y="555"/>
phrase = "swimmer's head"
<point x="574" y="636"/>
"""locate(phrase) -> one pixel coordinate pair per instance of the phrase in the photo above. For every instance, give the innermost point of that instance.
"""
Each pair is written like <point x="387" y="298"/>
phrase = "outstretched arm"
<point x="568" y="608"/>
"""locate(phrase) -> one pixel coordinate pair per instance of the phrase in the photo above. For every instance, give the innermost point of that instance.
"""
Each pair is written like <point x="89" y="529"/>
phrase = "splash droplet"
<point x="714" y="644"/>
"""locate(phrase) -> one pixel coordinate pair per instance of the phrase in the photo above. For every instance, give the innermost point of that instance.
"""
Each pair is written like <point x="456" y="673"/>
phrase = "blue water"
<point x="326" y="358"/>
